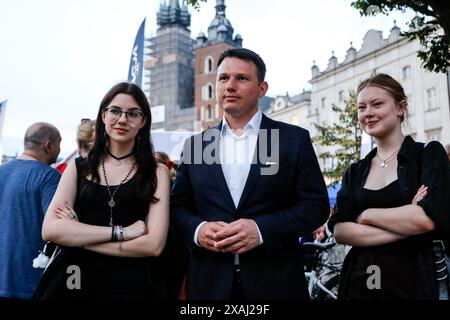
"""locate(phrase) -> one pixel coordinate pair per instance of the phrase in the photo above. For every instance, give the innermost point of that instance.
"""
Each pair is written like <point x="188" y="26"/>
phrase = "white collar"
<point x="254" y="123"/>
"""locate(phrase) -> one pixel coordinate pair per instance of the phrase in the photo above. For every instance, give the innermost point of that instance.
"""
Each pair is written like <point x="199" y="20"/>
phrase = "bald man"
<point x="27" y="185"/>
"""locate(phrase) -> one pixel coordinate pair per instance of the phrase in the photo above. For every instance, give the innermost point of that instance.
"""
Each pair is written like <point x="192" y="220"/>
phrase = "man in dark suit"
<point x="245" y="191"/>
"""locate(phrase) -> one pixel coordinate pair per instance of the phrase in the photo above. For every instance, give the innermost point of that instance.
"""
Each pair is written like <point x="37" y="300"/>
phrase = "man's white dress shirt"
<point x="236" y="151"/>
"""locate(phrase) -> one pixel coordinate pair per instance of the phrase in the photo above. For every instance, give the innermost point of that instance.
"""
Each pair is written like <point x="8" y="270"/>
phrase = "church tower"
<point x="171" y="69"/>
<point x="207" y="51"/>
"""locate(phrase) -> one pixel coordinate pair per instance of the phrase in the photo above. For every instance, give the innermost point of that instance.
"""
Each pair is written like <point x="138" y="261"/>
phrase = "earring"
<point x="138" y="143"/>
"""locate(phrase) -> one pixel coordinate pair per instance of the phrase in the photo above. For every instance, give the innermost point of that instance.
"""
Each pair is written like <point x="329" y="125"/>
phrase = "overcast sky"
<point x="58" y="58"/>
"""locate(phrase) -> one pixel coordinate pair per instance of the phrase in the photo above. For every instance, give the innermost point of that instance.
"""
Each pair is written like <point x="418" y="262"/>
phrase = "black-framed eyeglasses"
<point x="114" y="114"/>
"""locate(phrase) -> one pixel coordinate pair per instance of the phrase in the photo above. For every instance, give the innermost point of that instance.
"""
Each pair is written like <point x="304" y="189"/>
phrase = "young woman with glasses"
<point x="110" y="212"/>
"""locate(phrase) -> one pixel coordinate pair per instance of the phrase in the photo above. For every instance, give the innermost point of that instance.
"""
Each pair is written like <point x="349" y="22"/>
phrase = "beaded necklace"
<point x="111" y="202"/>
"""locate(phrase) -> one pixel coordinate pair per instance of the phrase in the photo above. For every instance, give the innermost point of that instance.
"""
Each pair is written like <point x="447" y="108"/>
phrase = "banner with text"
<point x="137" y="57"/>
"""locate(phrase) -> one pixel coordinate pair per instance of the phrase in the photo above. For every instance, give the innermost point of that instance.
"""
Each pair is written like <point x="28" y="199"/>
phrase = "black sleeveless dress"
<point x="103" y="276"/>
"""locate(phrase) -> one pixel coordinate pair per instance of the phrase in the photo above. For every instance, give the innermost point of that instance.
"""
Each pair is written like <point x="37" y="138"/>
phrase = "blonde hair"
<point x="162" y="157"/>
<point x="86" y="134"/>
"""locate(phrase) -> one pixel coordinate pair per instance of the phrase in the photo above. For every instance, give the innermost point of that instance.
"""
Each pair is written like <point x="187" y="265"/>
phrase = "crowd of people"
<point x="129" y="223"/>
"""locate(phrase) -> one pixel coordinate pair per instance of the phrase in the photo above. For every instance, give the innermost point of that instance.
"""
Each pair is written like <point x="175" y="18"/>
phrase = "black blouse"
<point x="417" y="165"/>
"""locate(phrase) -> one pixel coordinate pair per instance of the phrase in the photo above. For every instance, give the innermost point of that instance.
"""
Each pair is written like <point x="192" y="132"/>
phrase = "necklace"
<point x="116" y="160"/>
<point x="385" y="161"/>
<point x="111" y="202"/>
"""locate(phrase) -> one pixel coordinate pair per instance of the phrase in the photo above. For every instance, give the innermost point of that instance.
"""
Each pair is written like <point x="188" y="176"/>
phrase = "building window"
<point x="208" y="64"/>
<point x="323" y="100"/>
<point x="341" y="95"/>
<point x="210" y="93"/>
<point x="432" y="99"/>
<point x="328" y="163"/>
<point x="406" y="72"/>
<point x="209" y="113"/>
<point x="207" y="92"/>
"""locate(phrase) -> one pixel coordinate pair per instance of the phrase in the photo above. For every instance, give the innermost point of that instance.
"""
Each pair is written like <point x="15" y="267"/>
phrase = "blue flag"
<point x="137" y="57"/>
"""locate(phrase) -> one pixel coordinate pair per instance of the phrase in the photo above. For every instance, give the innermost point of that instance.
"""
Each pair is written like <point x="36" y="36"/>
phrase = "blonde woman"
<point x="85" y="140"/>
<point x="392" y="203"/>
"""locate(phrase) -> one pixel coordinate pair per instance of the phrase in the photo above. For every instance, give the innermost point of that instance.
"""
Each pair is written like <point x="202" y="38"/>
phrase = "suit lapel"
<point x="216" y="172"/>
<point x="255" y="167"/>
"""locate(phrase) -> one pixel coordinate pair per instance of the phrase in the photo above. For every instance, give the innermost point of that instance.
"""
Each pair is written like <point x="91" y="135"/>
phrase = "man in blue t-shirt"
<point x="27" y="185"/>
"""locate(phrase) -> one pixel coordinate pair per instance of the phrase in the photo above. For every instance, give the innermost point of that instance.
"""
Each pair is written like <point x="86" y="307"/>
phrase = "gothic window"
<point x="208" y="68"/>
<point x="209" y="112"/>
<point x="210" y="93"/>
<point x="207" y="92"/>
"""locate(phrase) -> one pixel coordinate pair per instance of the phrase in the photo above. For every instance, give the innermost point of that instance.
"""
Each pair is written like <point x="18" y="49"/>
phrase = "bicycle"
<point x="323" y="279"/>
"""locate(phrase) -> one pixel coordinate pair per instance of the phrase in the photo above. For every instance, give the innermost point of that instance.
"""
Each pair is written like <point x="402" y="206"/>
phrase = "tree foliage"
<point x="346" y="134"/>
<point x="432" y="14"/>
<point x="195" y="3"/>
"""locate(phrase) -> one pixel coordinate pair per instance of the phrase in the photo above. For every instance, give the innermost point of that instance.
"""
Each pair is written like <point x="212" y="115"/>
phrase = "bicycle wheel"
<point x="332" y="285"/>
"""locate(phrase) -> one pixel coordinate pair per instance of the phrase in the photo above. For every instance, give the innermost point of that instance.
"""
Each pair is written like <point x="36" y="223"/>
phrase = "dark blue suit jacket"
<point x="286" y="205"/>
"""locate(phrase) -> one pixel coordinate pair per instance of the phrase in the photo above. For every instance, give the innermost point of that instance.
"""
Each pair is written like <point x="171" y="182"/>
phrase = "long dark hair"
<point x="143" y="149"/>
